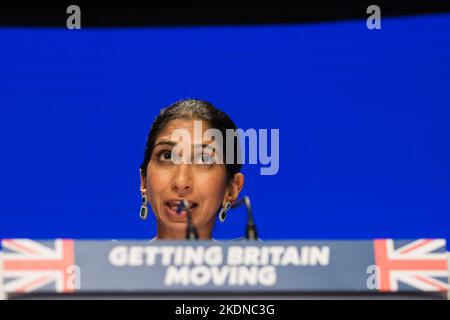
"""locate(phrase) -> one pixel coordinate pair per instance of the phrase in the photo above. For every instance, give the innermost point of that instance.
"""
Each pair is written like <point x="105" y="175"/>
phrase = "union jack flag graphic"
<point x="420" y="264"/>
<point x="30" y="265"/>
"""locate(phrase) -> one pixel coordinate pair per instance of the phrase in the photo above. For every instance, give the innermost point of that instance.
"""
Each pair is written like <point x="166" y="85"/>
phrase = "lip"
<point x="170" y="208"/>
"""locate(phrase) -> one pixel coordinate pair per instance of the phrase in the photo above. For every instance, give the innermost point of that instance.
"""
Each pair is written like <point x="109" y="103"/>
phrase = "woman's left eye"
<point x="204" y="159"/>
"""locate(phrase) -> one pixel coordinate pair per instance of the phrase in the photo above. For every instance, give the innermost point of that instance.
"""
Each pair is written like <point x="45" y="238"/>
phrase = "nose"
<point x="182" y="180"/>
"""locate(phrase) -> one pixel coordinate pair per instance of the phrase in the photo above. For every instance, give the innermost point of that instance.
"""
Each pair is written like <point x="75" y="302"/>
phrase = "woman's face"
<point x="194" y="177"/>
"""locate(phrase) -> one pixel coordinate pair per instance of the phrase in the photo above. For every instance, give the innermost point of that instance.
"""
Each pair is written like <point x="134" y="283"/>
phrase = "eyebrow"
<point x="166" y="142"/>
<point x="173" y="144"/>
<point x="196" y="146"/>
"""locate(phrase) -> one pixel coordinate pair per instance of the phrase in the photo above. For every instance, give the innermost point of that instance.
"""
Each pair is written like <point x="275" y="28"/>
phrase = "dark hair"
<point x="192" y="109"/>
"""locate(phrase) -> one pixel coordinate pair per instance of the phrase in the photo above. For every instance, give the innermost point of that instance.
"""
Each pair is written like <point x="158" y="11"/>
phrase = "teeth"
<point x="174" y="205"/>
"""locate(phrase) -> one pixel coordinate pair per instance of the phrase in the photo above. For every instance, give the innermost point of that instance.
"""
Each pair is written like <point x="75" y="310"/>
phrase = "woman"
<point x="189" y="169"/>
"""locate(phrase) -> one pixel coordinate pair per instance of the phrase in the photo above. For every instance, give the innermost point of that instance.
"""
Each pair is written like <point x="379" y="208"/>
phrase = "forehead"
<point x="174" y="128"/>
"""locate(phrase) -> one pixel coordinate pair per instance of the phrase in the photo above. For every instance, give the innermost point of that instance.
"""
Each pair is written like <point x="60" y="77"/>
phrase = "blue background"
<point x="363" y="116"/>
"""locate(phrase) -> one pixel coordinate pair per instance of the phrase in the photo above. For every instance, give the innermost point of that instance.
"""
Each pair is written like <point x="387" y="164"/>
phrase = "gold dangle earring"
<point x="224" y="210"/>
<point x="143" y="213"/>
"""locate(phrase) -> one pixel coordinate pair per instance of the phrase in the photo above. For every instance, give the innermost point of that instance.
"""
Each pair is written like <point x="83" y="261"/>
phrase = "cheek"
<point x="212" y="189"/>
<point x="157" y="181"/>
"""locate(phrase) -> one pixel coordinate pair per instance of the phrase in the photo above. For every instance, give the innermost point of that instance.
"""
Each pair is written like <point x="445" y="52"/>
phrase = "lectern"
<point x="293" y="269"/>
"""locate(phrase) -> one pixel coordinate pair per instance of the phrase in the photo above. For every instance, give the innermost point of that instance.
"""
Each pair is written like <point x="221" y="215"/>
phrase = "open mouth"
<point x="176" y="208"/>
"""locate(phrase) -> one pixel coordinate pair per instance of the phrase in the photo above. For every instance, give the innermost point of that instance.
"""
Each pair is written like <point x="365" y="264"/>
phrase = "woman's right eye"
<point x="165" y="156"/>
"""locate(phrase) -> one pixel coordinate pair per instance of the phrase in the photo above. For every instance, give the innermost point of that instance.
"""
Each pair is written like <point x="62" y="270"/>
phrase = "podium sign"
<point x="283" y="267"/>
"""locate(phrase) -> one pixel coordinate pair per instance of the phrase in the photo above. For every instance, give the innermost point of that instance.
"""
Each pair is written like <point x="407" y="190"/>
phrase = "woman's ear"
<point x="143" y="184"/>
<point x="236" y="186"/>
